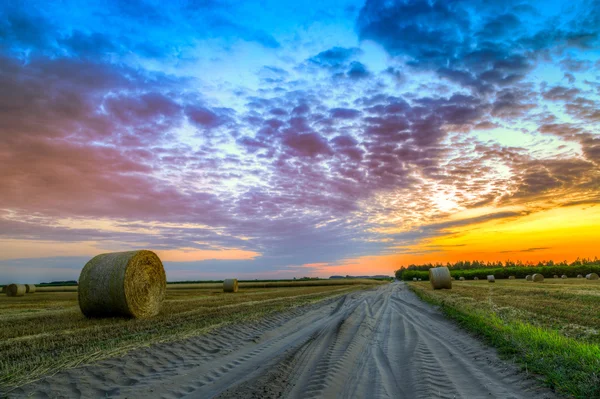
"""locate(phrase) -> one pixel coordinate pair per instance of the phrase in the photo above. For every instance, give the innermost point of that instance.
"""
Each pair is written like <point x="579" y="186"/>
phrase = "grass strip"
<point x="566" y="365"/>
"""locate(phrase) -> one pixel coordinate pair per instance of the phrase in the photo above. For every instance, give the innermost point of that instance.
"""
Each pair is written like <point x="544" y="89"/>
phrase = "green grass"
<point x="45" y="332"/>
<point x="550" y="328"/>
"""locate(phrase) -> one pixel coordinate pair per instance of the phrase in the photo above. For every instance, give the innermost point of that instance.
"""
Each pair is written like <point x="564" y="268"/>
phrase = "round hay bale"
<point x="491" y="278"/>
<point x="439" y="277"/>
<point x="15" y="290"/>
<point x="30" y="288"/>
<point x="420" y="279"/>
<point x="579" y="276"/>
<point x="130" y="284"/>
<point x="230" y="285"/>
<point x="529" y="277"/>
<point x="475" y="278"/>
<point x="511" y="277"/>
<point x="556" y="276"/>
<point x="564" y="276"/>
<point x="414" y="279"/>
<point x="592" y="276"/>
<point x="461" y="278"/>
<point x="537" y="278"/>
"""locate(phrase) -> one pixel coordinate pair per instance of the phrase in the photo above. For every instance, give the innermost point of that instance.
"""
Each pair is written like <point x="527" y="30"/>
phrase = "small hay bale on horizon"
<point x="491" y="278"/>
<point x="461" y="278"/>
<point x="414" y="279"/>
<point x="537" y="278"/>
<point x="556" y="276"/>
<point x="564" y="276"/>
<point x="440" y="278"/>
<point x="16" y="290"/>
<point x="580" y="276"/>
<point x="130" y="284"/>
<point x="475" y="278"/>
<point x="511" y="277"/>
<point x="230" y="285"/>
<point x="529" y="277"/>
<point x="29" y="288"/>
<point x="592" y="276"/>
<point x="420" y="279"/>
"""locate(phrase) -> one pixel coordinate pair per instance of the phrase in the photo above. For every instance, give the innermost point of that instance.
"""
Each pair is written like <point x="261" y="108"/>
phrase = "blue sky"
<point x="282" y="139"/>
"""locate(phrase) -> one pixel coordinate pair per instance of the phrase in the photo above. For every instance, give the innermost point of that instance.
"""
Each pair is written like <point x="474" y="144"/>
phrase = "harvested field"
<point x="46" y="332"/>
<point x="376" y="343"/>
<point x="552" y="328"/>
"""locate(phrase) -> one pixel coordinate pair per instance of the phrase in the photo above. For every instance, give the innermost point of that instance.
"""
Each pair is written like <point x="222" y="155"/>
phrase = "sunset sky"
<point x="274" y="139"/>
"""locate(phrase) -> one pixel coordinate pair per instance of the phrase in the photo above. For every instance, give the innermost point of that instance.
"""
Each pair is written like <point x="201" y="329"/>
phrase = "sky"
<point x="280" y="139"/>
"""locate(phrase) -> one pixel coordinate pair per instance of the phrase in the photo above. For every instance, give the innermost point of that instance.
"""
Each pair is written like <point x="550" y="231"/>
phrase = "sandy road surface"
<point x="380" y="343"/>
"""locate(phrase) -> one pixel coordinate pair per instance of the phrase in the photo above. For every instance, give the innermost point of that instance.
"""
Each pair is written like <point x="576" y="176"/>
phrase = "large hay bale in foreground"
<point x="511" y="277"/>
<point x="440" y="278"/>
<point x="529" y="277"/>
<point x="230" y="285"/>
<point x="130" y="284"/>
<point x="30" y="288"/>
<point x="537" y="278"/>
<point x="15" y="290"/>
<point x="592" y="276"/>
<point x="491" y="278"/>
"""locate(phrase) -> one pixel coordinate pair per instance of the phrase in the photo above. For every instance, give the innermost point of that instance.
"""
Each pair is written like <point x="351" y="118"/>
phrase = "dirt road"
<point x="380" y="343"/>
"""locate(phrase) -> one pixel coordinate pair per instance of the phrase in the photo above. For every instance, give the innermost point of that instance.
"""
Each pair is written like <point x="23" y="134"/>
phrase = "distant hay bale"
<point x="230" y="285"/>
<point x="511" y="277"/>
<point x="592" y="276"/>
<point x="579" y="276"/>
<point x="475" y="278"/>
<point x="440" y="278"/>
<point x="4" y="289"/>
<point x="420" y="279"/>
<point x="491" y="278"/>
<point x="529" y="277"/>
<point x="556" y="276"/>
<point x="414" y="279"/>
<point x="461" y="278"/>
<point x="130" y="284"/>
<point x="15" y="290"/>
<point x="30" y="288"/>
<point x="537" y="278"/>
<point x="564" y="276"/>
<point x="452" y="278"/>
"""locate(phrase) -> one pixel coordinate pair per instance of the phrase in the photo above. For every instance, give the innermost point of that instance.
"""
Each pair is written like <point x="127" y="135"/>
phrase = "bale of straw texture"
<point x="529" y="277"/>
<point x="439" y="277"/>
<point x="579" y="276"/>
<point x="592" y="276"/>
<point x="564" y="276"/>
<point x="511" y="277"/>
<point x="461" y="278"/>
<point x="30" y="288"/>
<point x="475" y="278"/>
<point x="230" y="285"/>
<point x="15" y="290"/>
<point x="537" y="278"/>
<point x="491" y="278"/>
<point x="130" y="284"/>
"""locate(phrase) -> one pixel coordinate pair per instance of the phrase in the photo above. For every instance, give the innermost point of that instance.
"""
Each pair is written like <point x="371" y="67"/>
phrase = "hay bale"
<point x="30" y="288"/>
<point x="579" y="276"/>
<point x="439" y="277"/>
<point x="564" y="276"/>
<point x="537" y="278"/>
<point x="230" y="285"/>
<point x="529" y="277"/>
<point x="556" y="276"/>
<point x="130" y="284"/>
<point x="414" y="279"/>
<point x="592" y="276"/>
<point x="511" y="277"/>
<point x="491" y="278"/>
<point x="15" y="290"/>
<point x="420" y="279"/>
<point x="4" y="289"/>
<point x="475" y="278"/>
<point x="461" y="278"/>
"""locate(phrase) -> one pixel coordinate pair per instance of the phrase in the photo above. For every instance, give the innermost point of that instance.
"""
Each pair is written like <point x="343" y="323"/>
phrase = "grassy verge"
<point x="45" y="332"/>
<point x="543" y="327"/>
